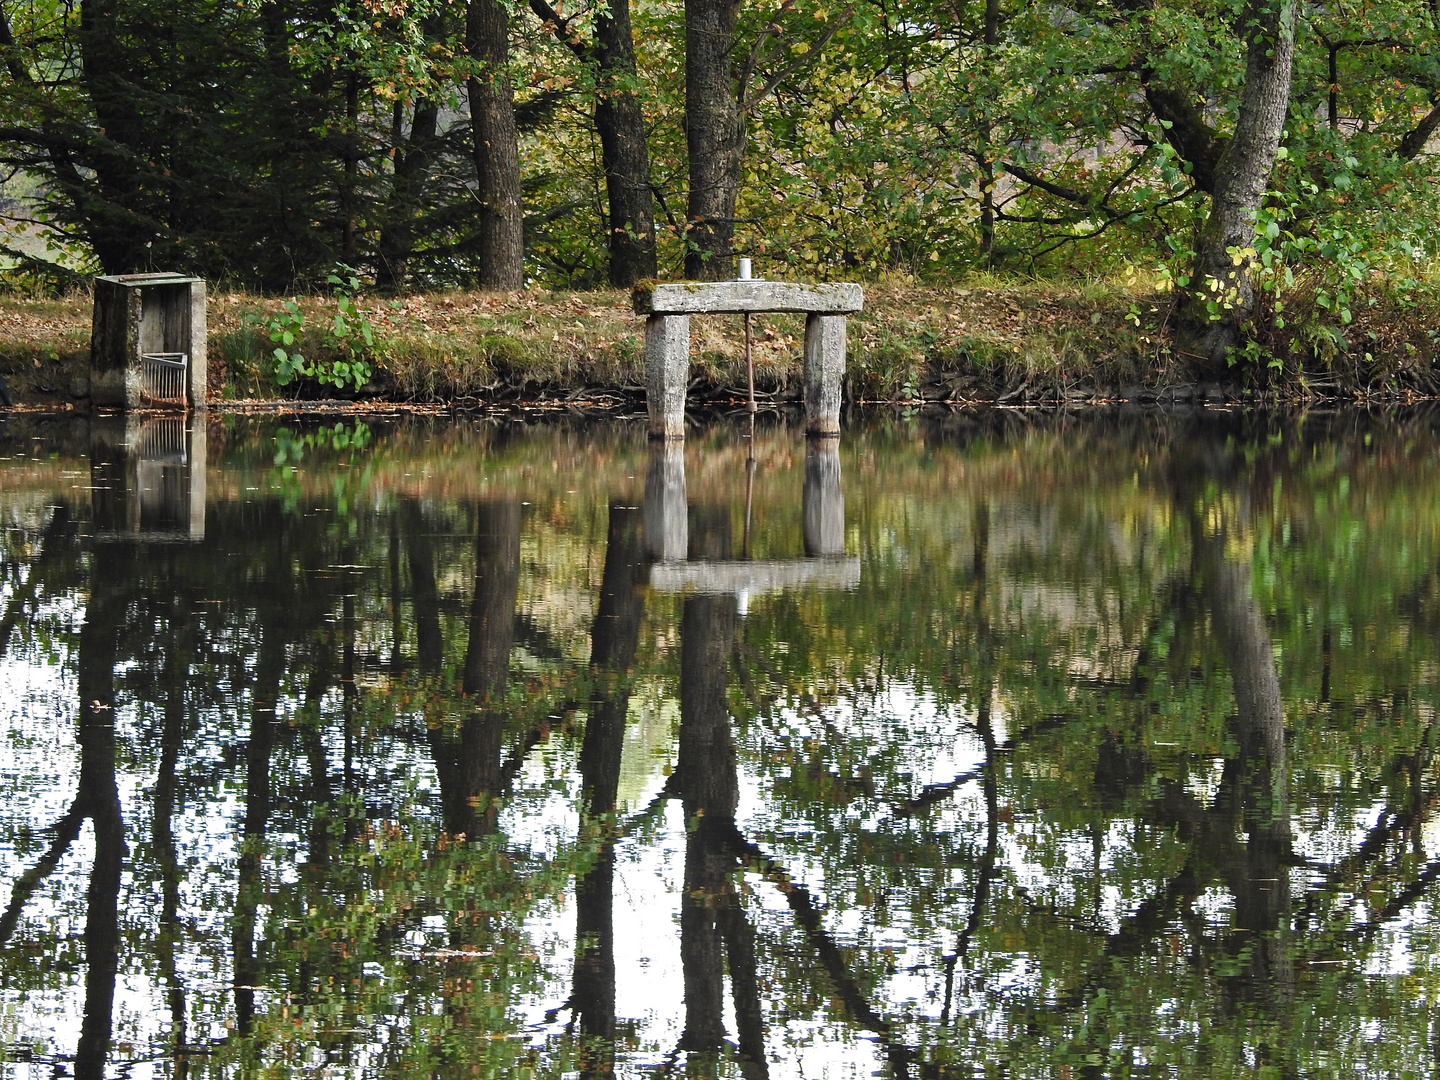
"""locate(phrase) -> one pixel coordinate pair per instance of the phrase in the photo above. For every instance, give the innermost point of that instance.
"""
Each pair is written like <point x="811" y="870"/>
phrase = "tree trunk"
<point x="496" y="148"/>
<point x="118" y="235"/>
<point x="621" y="127"/>
<point x="714" y="136"/>
<point x="412" y="159"/>
<point x="987" y="162"/>
<point x="1221" y="297"/>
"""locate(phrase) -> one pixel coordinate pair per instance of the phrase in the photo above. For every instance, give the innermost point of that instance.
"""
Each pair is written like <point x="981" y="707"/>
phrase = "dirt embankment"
<point x="1012" y="343"/>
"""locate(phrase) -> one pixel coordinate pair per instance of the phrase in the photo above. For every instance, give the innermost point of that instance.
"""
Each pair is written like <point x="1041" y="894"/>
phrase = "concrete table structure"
<point x="667" y="341"/>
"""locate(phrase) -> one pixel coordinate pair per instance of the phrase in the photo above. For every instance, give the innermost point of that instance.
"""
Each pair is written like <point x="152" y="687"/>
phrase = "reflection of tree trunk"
<point x="710" y="791"/>
<point x="984" y="692"/>
<point x="177" y="667"/>
<point x="100" y="798"/>
<point x="268" y="670"/>
<point x="739" y="937"/>
<point x="469" y="768"/>
<point x="429" y="644"/>
<point x="397" y="609"/>
<point x="57" y="542"/>
<point x="492" y="612"/>
<point x="612" y="650"/>
<point x="1261" y="882"/>
<point x="321" y="792"/>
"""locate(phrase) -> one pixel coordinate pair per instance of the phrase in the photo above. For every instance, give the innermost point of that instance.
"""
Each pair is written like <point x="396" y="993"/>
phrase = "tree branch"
<point x="798" y="62"/>
<point x="560" y="27"/>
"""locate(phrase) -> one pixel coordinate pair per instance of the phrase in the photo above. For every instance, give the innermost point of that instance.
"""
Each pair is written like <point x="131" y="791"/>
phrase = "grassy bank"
<point x="988" y="339"/>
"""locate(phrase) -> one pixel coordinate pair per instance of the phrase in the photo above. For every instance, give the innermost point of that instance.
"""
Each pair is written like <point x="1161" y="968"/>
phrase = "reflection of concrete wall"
<point x="667" y="533"/>
<point x="823" y="513"/>
<point x="753" y="576"/>
<point x="667" y="530"/>
<point x="147" y="477"/>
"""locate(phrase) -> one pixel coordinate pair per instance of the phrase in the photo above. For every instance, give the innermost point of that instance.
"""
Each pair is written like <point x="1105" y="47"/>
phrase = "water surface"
<point x="1024" y="746"/>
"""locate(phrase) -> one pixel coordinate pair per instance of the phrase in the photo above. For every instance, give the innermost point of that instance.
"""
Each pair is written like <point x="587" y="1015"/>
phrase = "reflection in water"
<point x="667" y="535"/>
<point x="681" y="568"/>
<point x="148" y="476"/>
<point x="99" y="800"/>
<point x="1107" y="750"/>
<point x="614" y="636"/>
<point x="823" y="506"/>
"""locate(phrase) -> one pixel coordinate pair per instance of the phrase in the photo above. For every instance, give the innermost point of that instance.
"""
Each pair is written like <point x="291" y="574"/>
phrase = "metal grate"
<point x="163" y="377"/>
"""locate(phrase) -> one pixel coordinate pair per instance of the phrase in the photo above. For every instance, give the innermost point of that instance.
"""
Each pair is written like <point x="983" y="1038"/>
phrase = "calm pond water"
<point x="1005" y="745"/>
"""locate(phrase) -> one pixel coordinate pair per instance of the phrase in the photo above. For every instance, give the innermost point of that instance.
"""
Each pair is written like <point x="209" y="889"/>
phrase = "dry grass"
<point x="986" y="338"/>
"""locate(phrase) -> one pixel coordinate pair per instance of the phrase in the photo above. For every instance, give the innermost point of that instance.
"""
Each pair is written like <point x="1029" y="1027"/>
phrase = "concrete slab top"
<point x="134" y="281"/>
<point x="753" y="295"/>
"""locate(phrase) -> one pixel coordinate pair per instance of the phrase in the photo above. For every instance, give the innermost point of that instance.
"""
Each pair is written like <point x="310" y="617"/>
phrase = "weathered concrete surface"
<point x="824" y="370"/>
<point x="199" y="338"/>
<point x="754" y="576"/>
<point x="667" y="373"/>
<point x="738" y="297"/>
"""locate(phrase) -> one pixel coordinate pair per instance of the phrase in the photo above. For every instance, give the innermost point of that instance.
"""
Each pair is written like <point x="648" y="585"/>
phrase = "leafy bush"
<point x="346" y="335"/>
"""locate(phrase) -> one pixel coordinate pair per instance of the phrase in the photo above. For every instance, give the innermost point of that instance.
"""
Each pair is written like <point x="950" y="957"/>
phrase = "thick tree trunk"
<point x="621" y="127"/>
<point x="115" y="231"/>
<point x="496" y="148"/>
<point x="714" y="136"/>
<point x="1221" y="296"/>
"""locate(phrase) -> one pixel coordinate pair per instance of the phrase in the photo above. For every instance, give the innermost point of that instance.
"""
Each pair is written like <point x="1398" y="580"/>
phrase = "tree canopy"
<point x="1247" y="152"/>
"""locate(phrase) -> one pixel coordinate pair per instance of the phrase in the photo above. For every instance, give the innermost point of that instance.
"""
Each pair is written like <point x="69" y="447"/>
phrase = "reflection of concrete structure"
<point x="753" y="576"/>
<point x="823" y="514"/>
<point x="147" y="342"/>
<point x="667" y="341"/>
<point x="147" y="478"/>
<point x="667" y="529"/>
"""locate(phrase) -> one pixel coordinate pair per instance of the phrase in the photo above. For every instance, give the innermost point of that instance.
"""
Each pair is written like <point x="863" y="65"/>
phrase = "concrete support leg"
<point x="666" y="523"/>
<point x="667" y="371"/>
<point x="824" y="370"/>
<point x="823" y="505"/>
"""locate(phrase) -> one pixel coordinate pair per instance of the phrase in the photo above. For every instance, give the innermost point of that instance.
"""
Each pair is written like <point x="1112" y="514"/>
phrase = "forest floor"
<point x="990" y="340"/>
